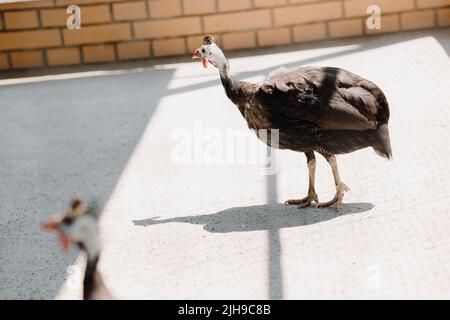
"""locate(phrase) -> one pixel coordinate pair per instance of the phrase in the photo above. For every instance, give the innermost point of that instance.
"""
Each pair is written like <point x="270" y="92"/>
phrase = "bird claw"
<point x="305" y="202"/>
<point x="329" y="203"/>
<point x="338" y="197"/>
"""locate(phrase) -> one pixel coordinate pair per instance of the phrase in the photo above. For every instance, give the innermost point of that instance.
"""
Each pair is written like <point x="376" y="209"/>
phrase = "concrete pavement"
<point x="206" y="231"/>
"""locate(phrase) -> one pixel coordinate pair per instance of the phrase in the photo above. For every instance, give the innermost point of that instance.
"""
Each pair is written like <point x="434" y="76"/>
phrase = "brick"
<point x="4" y="64"/>
<point x="29" y="39"/>
<point x="164" y="8"/>
<point x="167" y="28"/>
<point x="21" y="19"/>
<point x="96" y="34"/>
<point x="169" y="47"/>
<point x="78" y="2"/>
<point x="194" y="42"/>
<point x="129" y="11"/>
<point x="443" y="16"/>
<point x="237" y="21"/>
<point x="26" y="59"/>
<point x="133" y="50"/>
<point x="199" y="6"/>
<point x="274" y="37"/>
<point x="239" y="40"/>
<point x="89" y="15"/>
<point x="55" y="17"/>
<point x="426" y="4"/>
<point x="303" y="1"/>
<point x="99" y="53"/>
<point x="389" y="23"/>
<point x="63" y="56"/>
<point x="310" y="32"/>
<point x="417" y="20"/>
<point x="358" y="8"/>
<point x="345" y="28"/>
<point x="94" y="14"/>
<point x="269" y="3"/>
<point x="26" y="5"/>
<point x="234" y="5"/>
<point x="307" y="13"/>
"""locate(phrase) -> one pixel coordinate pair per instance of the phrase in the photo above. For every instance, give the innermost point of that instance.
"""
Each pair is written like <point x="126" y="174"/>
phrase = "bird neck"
<point x="239" y="92"/>
<point x="224" y="68"/>
<point x="92" y="250"/>
<point x="89" y="277"/>
<point x="227" y="80"/>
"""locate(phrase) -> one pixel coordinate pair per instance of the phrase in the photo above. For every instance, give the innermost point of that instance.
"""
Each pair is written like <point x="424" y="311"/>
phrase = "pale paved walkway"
<point x="219" y="230"/>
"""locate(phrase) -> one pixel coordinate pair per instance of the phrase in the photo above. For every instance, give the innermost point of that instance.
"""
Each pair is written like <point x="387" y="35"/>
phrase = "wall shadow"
<point x="60" y="139"/>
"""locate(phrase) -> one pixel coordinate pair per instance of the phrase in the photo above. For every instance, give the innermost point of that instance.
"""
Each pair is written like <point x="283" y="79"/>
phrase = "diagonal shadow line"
<point x="374" y="42"/>
<point x="443" y="39"/>
<point x="248" y="74"/>
<point x="64" y="137"/>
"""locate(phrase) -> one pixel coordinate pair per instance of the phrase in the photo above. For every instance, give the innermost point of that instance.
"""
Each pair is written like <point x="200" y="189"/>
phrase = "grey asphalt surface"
<point x="193" y="231"/>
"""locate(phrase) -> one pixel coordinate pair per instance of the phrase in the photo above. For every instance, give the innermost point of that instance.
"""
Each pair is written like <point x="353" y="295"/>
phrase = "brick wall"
<point x="33" y="33"/>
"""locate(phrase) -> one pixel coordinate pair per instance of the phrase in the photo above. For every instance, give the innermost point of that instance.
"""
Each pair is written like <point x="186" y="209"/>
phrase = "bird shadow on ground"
<point x="261" y="217"/>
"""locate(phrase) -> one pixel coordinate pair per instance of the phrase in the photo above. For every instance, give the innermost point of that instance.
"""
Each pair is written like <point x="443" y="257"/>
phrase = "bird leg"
<point x="312" y="196"/>
<point x="340" y="186"/>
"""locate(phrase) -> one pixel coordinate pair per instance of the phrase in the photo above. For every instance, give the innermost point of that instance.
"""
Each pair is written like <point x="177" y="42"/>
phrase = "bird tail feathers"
<point x="383" y="143"/>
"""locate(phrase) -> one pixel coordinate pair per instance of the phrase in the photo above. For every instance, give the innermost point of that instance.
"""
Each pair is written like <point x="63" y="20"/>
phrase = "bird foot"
<point x="338" y="197"/>
<point x="305" y="202"/>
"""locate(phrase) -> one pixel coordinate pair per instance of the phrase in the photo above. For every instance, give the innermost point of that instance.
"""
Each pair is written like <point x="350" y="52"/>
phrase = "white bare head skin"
<point x="210" y="52"/>
<point x="77" y="226"/>
<point x="84" y="231"/>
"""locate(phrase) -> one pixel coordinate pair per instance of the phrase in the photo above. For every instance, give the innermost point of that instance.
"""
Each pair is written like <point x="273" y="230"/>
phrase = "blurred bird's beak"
<point x="197" y="55"/>
<point x="53" y="225"/>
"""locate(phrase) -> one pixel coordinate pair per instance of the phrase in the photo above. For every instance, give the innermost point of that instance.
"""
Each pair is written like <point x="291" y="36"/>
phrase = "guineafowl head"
<point x="77" y="225"/>
<point x="210" y="52"/>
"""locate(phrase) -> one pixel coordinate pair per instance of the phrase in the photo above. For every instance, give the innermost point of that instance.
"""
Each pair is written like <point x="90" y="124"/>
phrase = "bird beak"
<point x="53" y="225"/>
<point x="197" y="55"/>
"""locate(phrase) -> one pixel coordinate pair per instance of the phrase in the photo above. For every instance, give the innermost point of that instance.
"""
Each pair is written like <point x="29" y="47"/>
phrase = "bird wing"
<point x="331" y="98"/>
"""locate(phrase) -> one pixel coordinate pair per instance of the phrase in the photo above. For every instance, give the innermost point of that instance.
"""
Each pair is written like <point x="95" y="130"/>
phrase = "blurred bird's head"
<point x="210" y="52"/>
<point x="77" y="225"/>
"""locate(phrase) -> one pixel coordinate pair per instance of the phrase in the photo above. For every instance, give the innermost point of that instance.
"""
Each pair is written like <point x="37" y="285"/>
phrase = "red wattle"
<point x="65" y="242"/>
